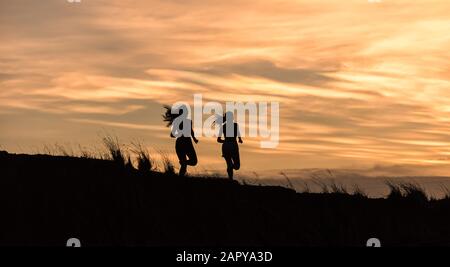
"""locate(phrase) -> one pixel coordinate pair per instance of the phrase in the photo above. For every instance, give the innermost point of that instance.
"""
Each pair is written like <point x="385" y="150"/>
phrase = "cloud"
<point x="358" y="83"/>
<point x="268" y="70"/>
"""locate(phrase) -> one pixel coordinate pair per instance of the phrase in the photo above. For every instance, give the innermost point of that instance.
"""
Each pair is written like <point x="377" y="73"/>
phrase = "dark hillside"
<point x="44" y="200"/>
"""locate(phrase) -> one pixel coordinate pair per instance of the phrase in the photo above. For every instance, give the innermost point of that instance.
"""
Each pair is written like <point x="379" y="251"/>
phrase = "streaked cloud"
<point x="358" y="83"/>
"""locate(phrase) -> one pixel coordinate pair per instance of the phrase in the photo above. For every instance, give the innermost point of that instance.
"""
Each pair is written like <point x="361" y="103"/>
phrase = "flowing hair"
<point x="168" y="116"/>
<point x="220" y="119"/>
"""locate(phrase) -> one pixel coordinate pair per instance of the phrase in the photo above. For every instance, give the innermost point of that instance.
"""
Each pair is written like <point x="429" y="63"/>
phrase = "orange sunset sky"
<point x="359" y="83"/>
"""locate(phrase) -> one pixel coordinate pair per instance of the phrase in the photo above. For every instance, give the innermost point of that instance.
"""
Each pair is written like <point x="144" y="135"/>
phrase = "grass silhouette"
<point x="118" y="198"/>
<point x="144" y="161"/>
<point x="116" y="152"/>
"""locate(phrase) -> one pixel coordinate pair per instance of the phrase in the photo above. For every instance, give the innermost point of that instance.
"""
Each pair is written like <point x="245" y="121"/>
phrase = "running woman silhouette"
<point x="183" y="145"/>
<point x="230" y="148"/>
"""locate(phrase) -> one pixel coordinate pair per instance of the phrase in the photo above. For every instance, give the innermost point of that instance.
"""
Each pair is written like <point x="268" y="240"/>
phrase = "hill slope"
<point x="44" y="200"/>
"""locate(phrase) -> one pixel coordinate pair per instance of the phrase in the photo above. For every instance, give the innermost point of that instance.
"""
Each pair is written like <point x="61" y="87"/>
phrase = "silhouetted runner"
<point x="230" y="147"/>
<point x="183" y="145"/>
